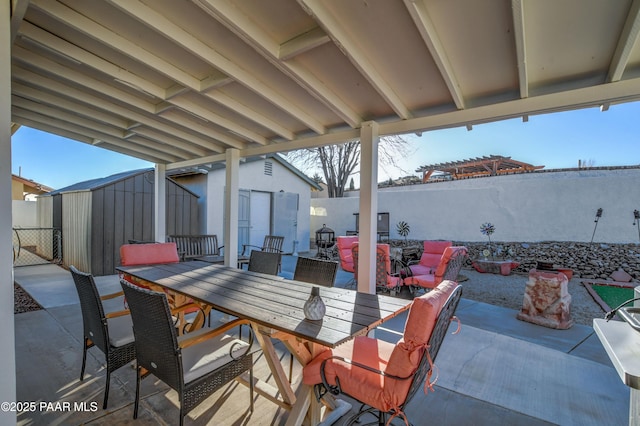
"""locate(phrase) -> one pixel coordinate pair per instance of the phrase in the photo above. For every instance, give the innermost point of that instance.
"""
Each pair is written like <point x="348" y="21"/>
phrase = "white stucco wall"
<point x="551" y="206"/>
<point x="252" y="177"/>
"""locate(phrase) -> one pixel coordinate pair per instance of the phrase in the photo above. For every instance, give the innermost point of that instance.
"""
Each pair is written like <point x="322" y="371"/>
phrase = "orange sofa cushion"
<point x="402" y="359"/>
<point x="148" y="254"/>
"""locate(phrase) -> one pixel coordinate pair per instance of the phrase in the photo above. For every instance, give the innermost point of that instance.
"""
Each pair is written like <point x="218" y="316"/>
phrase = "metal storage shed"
<point x="98" y="216"/>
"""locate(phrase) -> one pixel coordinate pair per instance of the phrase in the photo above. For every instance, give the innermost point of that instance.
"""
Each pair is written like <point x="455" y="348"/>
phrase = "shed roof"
<point x="482" y="166"/>
<point x="94" y="184"/>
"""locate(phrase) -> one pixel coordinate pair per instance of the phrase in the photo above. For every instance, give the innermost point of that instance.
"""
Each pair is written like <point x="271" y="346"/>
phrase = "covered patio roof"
<point x="190" y="83"/>
<point x="178" y="83"/>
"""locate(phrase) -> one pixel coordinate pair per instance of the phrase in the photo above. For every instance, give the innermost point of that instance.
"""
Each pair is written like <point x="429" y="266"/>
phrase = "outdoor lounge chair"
<point x="195" y="366"/>
<point x="431" y="255"/>
<point x="111" y="333"/>
<point x="344" y="251"/>
<point x="450" y="264"/>
<point x="385" y="280"/>
<point x="383" y="376"/>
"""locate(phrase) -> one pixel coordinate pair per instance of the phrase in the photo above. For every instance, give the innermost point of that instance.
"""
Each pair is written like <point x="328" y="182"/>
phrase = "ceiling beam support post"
<point x="160" y="187"/>
<point x="368" y="225"/>
<point x="7" y="333"/>
<point x="231" y="199"/>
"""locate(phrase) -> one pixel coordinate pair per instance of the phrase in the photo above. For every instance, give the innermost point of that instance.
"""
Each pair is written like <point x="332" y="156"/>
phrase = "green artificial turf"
<point x="613" y="295"/>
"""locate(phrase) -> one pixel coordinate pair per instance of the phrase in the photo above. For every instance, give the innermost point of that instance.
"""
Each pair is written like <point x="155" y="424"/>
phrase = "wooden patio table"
<point x="274" y="307"/>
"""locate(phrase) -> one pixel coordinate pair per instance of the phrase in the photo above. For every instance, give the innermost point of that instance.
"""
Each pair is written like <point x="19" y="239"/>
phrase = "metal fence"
<point x="35" y="246"/>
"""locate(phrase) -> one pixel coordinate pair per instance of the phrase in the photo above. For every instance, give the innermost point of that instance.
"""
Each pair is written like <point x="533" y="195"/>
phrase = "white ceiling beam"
<point x="51" y="129"/>
<point x="55" y="101"/>
<point x="520" y="41"/>
<point x="31" y="32"/>
<point x="171" y="147"/>
<point x="18" y="10"/>
<point x="221" y="136"/>
<point x="263" y="43"/>
<point x="14" y="128"/>
<point x="160" y="23"/>
<point x="302" y="43"/>
<point x="617" y="92"/>
<point x="91" y="84"/>
<point x="69" y="92"/>
<point x="626" y="43"/>
<point x="214" y="82"/>
<point x="245" y="111"/>
<point x="74" y="128"/>
<point x="115" y="41"/>
<point x="203" y="112"/>
<point x="425" y="27"/>
<point x="356" y="55"/>
<point x="162" y="138"/>
<point x="65" y="116"/>
<point x="55" y="44"/>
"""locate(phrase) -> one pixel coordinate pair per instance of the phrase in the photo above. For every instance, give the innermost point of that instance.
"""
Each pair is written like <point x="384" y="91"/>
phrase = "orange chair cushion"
<point x="402" y="359"/>
<point x="406" y="356"/>
<point x="148" y="254"/>
<point x="424" y="280"/>
<point x="430" y="258"/>
<point x="344" y="244"/>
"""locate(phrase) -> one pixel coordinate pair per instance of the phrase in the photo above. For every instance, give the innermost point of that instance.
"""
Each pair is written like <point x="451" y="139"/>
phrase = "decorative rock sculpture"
<point x="547" y="301"/>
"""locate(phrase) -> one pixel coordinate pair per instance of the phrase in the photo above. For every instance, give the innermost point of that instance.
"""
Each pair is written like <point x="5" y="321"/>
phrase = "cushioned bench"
<point x="193" y="246"/>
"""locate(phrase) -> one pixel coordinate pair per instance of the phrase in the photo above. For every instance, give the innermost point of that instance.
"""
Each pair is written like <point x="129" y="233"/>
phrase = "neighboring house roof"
<point x="37" y="188"/>
<point x="485" y="166"/>
<point x="276" y="157"/>
<point x="93" y="184"/>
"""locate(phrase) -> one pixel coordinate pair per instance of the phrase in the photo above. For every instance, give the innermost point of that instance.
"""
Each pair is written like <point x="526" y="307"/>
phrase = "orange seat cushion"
<point x="401" y="359"/>
<point x="148" y="254"/>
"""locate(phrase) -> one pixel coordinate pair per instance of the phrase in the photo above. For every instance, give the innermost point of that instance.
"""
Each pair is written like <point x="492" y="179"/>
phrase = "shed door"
<point x="285" y="218"/>
<point x="260" y="217"/>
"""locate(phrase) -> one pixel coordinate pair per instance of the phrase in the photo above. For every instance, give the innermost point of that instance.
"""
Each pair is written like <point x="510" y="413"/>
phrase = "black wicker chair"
<point x="111" y="332"/>
<point x="264" y="262"/>
<point x="195" y="366"/>
<point x="316" y="271"/>
<point x="390" y="382"/>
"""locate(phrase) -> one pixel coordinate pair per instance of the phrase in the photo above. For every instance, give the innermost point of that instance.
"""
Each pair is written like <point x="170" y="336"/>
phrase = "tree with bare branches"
<point x="338" y="162"/>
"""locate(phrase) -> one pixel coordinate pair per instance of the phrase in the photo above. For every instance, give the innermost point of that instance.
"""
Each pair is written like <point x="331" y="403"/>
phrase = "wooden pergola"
<point x="492" y="165"/>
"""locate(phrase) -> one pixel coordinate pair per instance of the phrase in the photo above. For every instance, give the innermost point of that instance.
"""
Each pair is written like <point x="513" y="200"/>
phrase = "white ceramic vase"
<point x="314" y="308"/>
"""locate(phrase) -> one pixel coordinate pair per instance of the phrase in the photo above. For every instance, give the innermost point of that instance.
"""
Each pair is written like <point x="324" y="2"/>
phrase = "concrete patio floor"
<point x="497" y="370"/>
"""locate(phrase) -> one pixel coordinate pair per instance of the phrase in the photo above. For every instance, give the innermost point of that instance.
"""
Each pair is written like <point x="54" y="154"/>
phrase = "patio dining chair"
<point x="385" y="280"/>
<point x="194" y="366"/>
<point x="316" y="271"/>
<point x="448" y="268"/>
<point x="264" y="262"/>
<point x="271" y="244"/>
<point x="382" y="376"/>
<point x="109" y="332"/>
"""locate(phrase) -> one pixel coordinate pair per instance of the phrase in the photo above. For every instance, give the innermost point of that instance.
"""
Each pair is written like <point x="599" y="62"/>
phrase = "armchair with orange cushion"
<point x="448" y="268"/>
<point x="383" y="376"/>
<point x="344" y="251"/>
<point x="385" y="280"/>
<point x="431" y="255"/>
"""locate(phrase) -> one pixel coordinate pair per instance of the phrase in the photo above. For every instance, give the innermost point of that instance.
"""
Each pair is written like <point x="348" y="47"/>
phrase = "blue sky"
<point x="558" y="140"/>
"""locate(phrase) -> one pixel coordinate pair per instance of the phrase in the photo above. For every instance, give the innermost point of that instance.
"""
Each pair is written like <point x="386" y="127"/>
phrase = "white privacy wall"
<point x="550" y="206"/>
